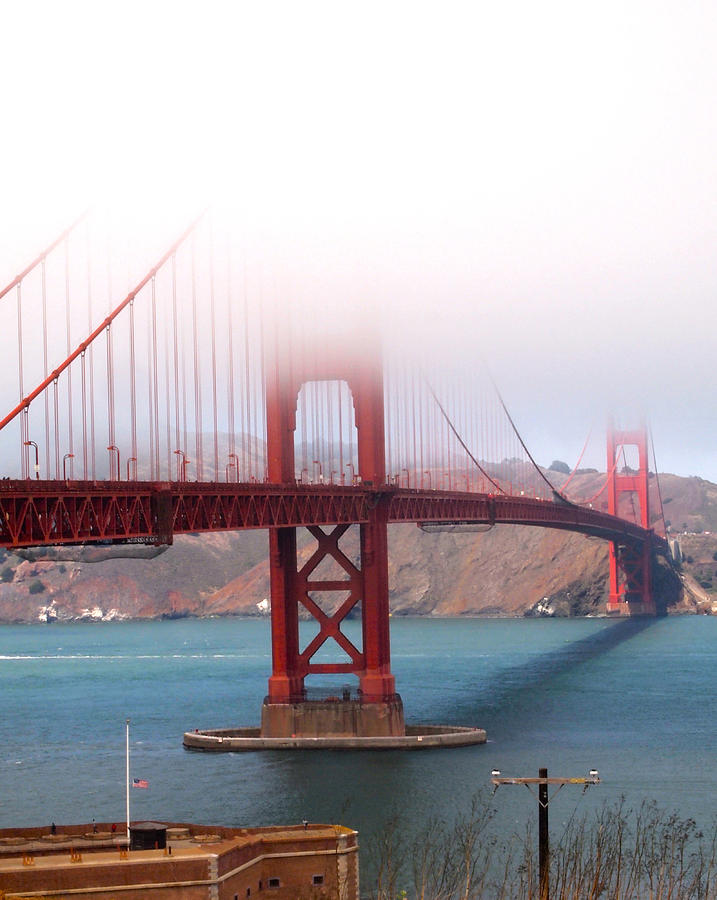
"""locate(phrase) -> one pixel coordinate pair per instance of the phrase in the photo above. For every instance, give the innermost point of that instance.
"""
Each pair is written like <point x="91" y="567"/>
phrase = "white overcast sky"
<point x="530" y="184"/>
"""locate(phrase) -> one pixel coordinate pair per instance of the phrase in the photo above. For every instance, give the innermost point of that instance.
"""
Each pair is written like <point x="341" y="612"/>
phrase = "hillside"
<point x="506" y="571"/>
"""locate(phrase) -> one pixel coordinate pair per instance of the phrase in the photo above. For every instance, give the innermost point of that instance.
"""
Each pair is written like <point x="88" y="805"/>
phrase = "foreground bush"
<point x="617" y="853"/>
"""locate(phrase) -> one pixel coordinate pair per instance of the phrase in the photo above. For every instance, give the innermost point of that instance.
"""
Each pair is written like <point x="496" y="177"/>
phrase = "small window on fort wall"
<point x="273" y="883"/>
<point x="317" y="879"/>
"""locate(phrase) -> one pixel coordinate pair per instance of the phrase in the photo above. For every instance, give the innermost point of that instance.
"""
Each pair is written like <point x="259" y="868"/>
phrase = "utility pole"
<point x="543" y="835"/>
<point x="542" y="781"/>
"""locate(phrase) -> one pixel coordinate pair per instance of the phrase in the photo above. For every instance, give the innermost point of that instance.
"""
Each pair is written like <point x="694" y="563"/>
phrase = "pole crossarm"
<point x="542" y="781"/>
<point x="498" y="780"/>
<point x="591" y="779"/>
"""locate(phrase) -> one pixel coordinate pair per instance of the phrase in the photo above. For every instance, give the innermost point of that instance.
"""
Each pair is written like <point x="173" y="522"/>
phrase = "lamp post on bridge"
<point x="542" y="781"/>
<point x="37" y="457"/>
<point x="184" y="463"/>
<point x="350" y="465"/>
<point x="226" y="470"/>
<point x="132" y="459"/>
<point x="234" y="464"/>
<point x="112" y="448"/>
<point x="64" y="464"/>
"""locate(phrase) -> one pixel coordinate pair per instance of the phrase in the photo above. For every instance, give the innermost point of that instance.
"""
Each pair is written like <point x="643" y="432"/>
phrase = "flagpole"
<point x="127" y="778"/>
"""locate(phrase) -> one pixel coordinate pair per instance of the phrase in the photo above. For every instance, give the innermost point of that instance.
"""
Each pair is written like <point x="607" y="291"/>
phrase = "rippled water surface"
<point x="634" y="699"/>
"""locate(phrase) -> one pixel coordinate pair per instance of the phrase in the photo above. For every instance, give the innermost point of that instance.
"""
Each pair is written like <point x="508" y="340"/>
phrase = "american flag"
<point x="140" y="783"/>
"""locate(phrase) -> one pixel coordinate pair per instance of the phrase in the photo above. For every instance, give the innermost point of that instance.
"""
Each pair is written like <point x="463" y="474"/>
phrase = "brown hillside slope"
<point x="506" y="571"/>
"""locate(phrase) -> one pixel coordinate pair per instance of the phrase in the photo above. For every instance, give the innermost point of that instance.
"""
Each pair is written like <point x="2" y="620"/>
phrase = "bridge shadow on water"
<point x="518" y="690"/>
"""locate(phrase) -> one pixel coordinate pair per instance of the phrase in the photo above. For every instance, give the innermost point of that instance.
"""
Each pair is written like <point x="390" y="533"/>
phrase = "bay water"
<point x="635" y="699"/>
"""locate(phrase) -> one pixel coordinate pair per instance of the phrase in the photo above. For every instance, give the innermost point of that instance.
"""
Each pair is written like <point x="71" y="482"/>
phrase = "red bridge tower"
<point x="378" y="709"/>
<point x="630" y="565"/>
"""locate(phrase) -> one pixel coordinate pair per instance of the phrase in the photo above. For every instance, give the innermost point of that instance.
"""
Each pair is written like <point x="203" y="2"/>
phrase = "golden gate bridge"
<point x="200" y="395"/>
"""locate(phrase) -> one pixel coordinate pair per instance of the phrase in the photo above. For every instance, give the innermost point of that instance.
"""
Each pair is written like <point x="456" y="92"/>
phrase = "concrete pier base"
<point x="623" y="609"/>
<point x="333" y="718"/>
<point x="417" y="737"/>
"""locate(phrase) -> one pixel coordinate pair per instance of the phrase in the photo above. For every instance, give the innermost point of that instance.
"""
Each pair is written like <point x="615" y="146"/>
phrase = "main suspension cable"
<point x="51" y="376"/>
<point x="458" y="437"/>
<point x="522" y="444"/>
<point x="657" y="479"/>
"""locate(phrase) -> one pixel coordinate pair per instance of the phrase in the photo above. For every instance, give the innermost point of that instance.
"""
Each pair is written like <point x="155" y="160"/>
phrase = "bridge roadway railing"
<point x="34" y="513"/>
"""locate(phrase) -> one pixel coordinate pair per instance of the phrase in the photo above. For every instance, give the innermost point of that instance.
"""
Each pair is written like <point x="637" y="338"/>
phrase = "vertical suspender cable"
<point x="155" y="387"/>
<point x="56" y="404"/>
<point x="438" y="443"/>
<point x="262" y="390"/>
<point x="83" y="388"/>
<point x="315" y="453"/>
<point x="247" y="464"/>
<point x="177" y="445"/>
<point x="182" y="459"/>
<point x="330" y="392"/>
<point x="70" y="439"/>
<point x="461" y="390"/>
<point x="302" y="406"/>
<point x="151" y="375"/>
<point x="430" y="429"/>
<point x="451" y="394"/>
<point x="406" y="427"/>
<point x="151" y="387"/>
<point x="110" y="370"/>
<point x="323" y="437"/>
<point x="452" y="451"/>
<point x="198" y="438"/>
<point x="44" y="360"/>
<point x="475" y="412"/>
<point x="352" y="426"/>
<point x="388" y="416"/>
<point x="342" y="474"/>
<point x="413" y="428"/>
<point x="449" y="436"/>
<point x="168" y="399"/>
<point x="214" y="348"/>
<point x="23" y="436"/>
<point x="421" y="410"/>
<point x="470" y="409"/>
<point x="230" y="381"/>
<point x="132" y="390"/>
<point x="304" y="396"/>
<point x="110" y="396"/>
<point x="453" y="462"/>
<point x="397" y="388"/>
<point x="93" y="454"/>
<point x="468" y="413"/>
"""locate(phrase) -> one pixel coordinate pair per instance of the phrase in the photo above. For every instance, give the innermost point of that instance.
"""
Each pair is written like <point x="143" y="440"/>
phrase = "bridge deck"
<point x="36" y="513"/>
